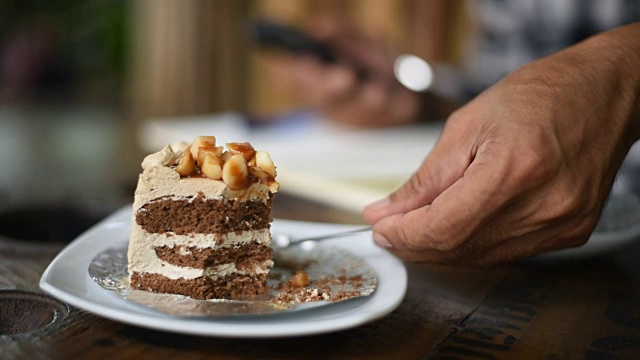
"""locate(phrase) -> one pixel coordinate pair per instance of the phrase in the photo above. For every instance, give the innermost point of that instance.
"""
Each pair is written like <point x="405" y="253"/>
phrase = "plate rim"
<point x="232" y="327"/>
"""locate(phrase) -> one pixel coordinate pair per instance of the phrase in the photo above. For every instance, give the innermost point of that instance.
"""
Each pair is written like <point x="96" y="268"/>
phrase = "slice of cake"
<point x="201" y="220"/>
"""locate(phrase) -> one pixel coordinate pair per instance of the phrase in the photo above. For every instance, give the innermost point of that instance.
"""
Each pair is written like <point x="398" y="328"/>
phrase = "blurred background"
<point x="79" y="78"/>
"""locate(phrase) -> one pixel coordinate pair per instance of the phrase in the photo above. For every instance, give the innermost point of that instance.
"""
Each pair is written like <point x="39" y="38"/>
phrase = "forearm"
<point x="621" y="49"/>
<point x="599" y="79"/>
<point x="607" y="65"/>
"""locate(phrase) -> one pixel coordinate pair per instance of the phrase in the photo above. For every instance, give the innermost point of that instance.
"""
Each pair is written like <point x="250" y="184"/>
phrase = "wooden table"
<point x="578" y="310"/>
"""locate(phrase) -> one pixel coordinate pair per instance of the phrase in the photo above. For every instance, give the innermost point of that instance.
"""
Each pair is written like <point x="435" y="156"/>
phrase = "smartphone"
<point x="288" y="38"/>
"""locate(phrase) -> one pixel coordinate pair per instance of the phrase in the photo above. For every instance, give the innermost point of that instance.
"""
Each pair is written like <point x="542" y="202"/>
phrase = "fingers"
<point x="453" y="217"/>
<point x="445" y="164"/>
<point x="418" y="191"/>
<point x="506" y="252"/>
<point x="479" y="251"/>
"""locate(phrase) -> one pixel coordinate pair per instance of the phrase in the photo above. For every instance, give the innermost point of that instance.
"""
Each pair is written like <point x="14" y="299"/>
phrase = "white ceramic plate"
<point x="67" y="279"/>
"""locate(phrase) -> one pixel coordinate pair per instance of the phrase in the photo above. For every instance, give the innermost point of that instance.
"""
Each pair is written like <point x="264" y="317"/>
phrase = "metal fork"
<point x="283" y="241"/>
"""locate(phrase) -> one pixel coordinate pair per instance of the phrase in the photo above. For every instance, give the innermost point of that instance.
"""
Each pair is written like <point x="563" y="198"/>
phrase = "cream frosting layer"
<point x="223" y="270"/>
<point x="143" y="259"/>
<point x="214" y="272"/>
<point x="142" y="238"/>
<point x="157" y="182"/>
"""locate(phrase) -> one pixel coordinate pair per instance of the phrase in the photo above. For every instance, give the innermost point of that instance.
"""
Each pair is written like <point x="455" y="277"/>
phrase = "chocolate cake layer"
<point x="246" y="256"/>
<point x="232" y="286"/>
<point x="198" y="215"/>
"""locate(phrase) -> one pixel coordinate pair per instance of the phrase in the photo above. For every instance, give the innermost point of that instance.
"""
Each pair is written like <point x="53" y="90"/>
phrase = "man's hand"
<point x="526" y="166"/>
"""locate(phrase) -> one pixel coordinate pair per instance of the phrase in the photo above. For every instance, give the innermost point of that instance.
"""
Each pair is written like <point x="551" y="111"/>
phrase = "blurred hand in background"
<point x="360" y="88"/>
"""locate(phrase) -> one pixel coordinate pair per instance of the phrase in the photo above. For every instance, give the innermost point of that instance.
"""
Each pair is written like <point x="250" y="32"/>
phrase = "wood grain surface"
<point x="573" y="310"/>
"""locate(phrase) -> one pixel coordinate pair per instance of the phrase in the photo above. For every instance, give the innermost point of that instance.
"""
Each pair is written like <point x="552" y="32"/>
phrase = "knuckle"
<point x="447" y="244"/>
<point x="530" y="169"/>
<point x="409" y="239"/>
<point x="420" y="236"/>
<point x="535" y="159"/>
<point x="578" y="241"/>
<point x="579" y="234"/>
<point x="570" y="203"/>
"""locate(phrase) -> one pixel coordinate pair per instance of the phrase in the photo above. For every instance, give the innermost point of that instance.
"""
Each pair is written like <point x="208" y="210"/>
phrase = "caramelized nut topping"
<point x="212" y="167"/>
<point x="226" y="156"/>
<point x="252" y="162"/>
<point x="244" y="148"/>
<point x="204" y="151"/>
<point x="300" y="279"/>
<point x="201" y="141"/>
<point x="187" y="165"/>
<point x="259" y="173"/>
<point x="235" y="173"/>
<point x="239" y="167"/>
<point x="263" y="161"/>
